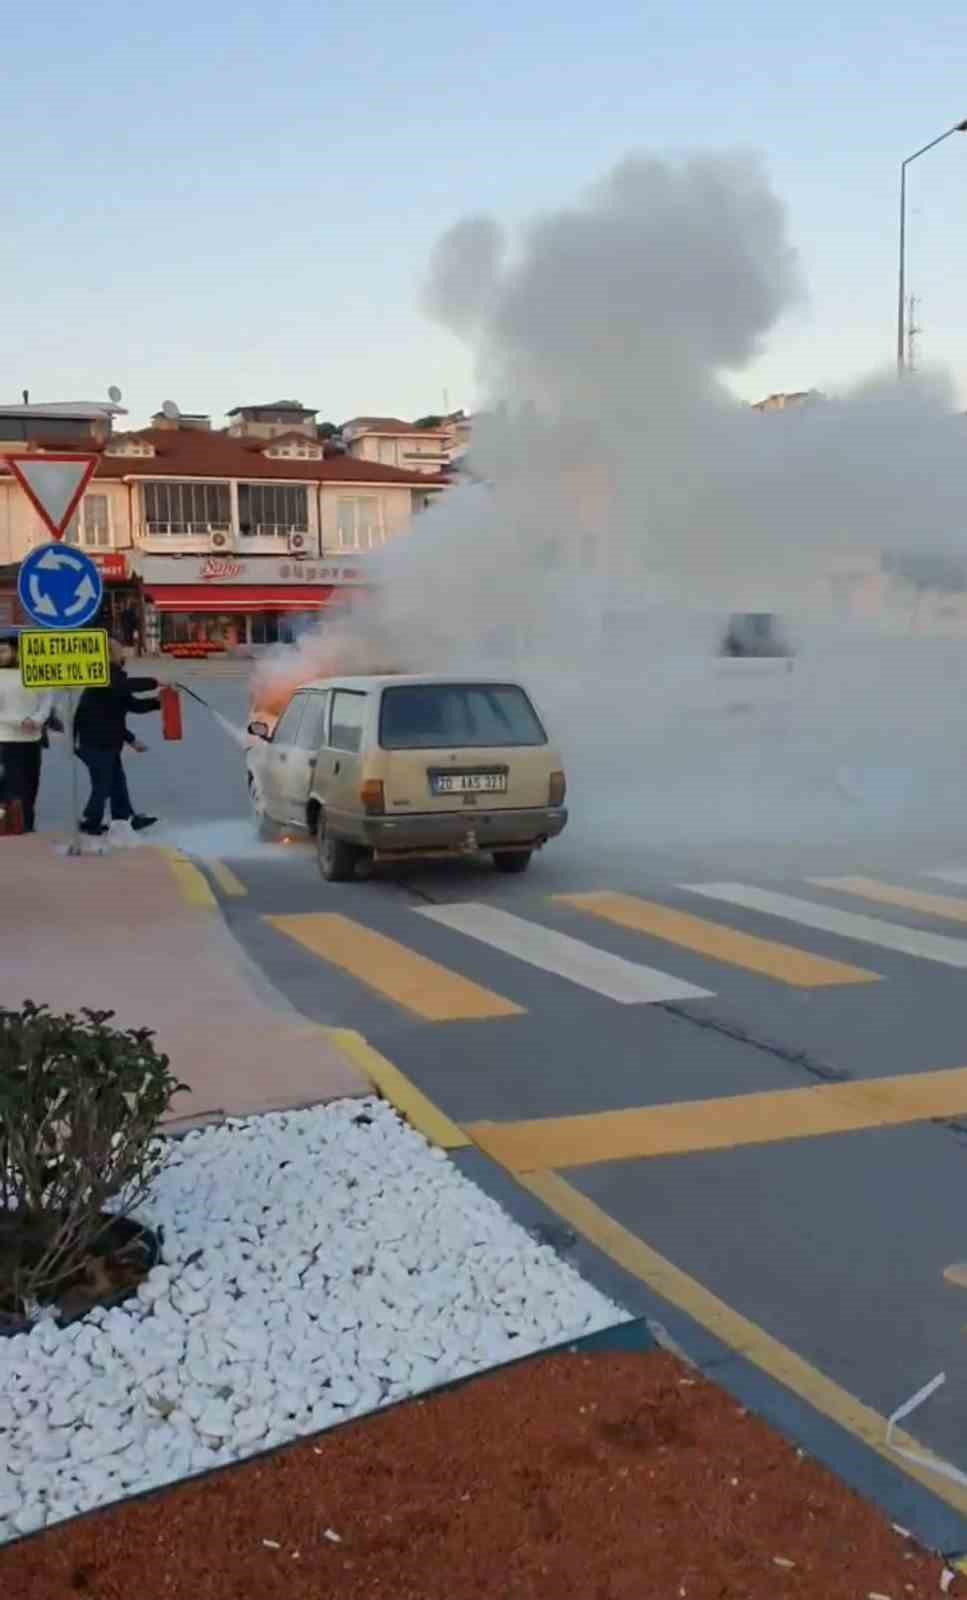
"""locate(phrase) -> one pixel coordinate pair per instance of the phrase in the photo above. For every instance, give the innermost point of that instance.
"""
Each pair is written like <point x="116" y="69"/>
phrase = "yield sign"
<point x="54" y="485"/>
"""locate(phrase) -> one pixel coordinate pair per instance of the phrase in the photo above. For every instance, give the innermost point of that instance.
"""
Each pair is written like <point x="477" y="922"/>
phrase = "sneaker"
<point x="96" y="829"/>
<point x="139" y="823"/>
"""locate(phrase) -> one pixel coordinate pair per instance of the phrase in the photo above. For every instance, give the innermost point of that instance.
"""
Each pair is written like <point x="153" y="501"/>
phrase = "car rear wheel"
<point x="337" y="859"/>
<point x="512" y="861"/>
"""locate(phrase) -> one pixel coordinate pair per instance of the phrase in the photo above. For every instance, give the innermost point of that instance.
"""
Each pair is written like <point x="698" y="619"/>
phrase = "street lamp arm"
<point x="958" y="127"/>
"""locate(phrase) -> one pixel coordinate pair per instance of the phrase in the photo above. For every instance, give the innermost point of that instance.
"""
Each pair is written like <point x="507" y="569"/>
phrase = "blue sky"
<point x="221" y="204"/>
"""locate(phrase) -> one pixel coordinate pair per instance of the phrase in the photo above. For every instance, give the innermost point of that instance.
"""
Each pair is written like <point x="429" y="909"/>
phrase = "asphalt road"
<point x="827" y="1218"/>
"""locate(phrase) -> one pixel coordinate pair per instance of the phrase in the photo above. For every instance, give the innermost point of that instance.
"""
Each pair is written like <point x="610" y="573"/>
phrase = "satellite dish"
<point x="114" y="395"/>
<point x="170" y="410"/>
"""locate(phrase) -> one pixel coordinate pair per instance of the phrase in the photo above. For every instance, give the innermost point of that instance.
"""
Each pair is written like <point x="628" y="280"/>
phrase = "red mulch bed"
<point x="605" y="1477"/>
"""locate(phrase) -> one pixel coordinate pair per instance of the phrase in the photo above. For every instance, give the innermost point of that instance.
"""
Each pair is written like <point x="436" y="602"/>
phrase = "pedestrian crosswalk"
<point x="796" y="967"/>
<point x="640" y="950"/>
<point x="830" y="919"/>
<point x="627" y="982"/>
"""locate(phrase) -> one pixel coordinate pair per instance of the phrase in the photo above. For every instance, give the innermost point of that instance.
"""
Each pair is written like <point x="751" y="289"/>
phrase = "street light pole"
<point x="958" y="127"/>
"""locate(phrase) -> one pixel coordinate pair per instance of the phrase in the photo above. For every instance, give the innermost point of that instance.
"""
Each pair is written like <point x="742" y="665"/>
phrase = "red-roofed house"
<point x="228" y="536"/>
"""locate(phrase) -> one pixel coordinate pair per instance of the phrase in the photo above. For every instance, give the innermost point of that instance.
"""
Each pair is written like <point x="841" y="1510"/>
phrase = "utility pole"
<point x="958" y="127"/>
<point x="913" y="329"/>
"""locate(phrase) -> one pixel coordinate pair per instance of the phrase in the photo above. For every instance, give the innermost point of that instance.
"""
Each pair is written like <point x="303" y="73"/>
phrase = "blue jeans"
<point x="108" y="783"/>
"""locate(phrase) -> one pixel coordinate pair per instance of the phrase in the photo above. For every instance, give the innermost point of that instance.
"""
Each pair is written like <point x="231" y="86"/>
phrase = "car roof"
<point x="391" y="680"/>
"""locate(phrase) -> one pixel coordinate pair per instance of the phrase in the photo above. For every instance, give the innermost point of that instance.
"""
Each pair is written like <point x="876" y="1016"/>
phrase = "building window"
<point x="387" y="452"/>
<point x="273" y="508"/>
<point x="95" y="522"/>
<point x="358" y="523"/>
<point x="186" y="507"/>
<point x="91" y="524"/>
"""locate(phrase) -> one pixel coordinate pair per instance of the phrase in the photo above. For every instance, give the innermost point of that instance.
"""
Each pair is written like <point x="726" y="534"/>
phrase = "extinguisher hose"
<point x="237" y="735"/>
<point x="185" y="690"/>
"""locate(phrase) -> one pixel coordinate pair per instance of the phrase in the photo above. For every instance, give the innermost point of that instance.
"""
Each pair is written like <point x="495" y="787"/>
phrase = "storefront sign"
<point x="113" y="567"/>
<point x="221" y="569"/>
<point x="229" y="570"/>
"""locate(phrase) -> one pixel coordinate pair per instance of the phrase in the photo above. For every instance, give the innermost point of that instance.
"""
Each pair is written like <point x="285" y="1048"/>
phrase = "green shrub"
<point x="80" y="1102"/>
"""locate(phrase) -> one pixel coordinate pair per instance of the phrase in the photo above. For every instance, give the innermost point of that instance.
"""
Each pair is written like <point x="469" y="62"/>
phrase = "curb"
<point x="759" y="1372"/>
<point x="629" y="1337"/>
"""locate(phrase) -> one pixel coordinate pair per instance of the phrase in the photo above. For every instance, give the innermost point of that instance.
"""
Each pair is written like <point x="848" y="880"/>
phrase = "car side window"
<point x="287" y="727"/>
<point x="348" y="711"/>
<point x="312" y="729"/>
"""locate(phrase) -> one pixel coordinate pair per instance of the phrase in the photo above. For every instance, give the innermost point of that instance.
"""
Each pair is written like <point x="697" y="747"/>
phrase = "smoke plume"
<point x="623" y="502"/>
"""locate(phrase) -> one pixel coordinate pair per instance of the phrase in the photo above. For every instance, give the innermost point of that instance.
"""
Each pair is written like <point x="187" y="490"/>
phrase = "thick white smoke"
<point x="626" y="502"/>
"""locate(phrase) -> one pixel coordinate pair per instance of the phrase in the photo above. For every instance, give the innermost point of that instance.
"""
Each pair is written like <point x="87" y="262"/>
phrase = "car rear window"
<point x="442" y="716"/>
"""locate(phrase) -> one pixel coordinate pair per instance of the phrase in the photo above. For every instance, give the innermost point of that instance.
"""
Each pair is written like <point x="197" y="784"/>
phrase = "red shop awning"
<point x="246" y="596"/>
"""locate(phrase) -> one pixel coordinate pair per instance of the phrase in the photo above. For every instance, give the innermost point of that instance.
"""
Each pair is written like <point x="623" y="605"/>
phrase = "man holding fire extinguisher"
<point x="100" y="735"/>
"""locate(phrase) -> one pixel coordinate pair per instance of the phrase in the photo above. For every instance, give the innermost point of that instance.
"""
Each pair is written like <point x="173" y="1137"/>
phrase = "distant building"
<point x="395" y="443"/>
<point x="275" y="417"/>
<point x="63" y="424"/>
<point x="783" y="402"/>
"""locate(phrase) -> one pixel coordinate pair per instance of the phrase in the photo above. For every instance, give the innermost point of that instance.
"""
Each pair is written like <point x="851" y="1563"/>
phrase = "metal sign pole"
<point x="74" y="827"/>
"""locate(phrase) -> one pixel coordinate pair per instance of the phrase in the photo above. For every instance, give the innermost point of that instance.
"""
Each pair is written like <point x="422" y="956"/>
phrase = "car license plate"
<point x="468" y="783"/>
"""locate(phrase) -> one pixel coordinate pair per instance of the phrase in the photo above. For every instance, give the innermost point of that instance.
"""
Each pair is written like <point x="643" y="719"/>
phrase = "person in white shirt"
<point x="23" y="713"/>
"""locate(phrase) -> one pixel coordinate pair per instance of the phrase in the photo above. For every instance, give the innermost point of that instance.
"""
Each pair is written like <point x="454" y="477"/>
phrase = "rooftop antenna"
<point x="26" y="395"/>
<point x="114" y="395"/>
<point x="170" y="410"/>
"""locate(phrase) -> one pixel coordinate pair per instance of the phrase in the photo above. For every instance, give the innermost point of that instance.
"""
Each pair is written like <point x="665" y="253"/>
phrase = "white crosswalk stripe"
<point x="627" y="982"/>
<point x="937" y="947"/>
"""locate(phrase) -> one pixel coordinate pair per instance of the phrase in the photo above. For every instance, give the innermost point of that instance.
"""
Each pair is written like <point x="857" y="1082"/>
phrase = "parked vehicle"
<point x="756" y="634"/>
<point x="385" y="768"/>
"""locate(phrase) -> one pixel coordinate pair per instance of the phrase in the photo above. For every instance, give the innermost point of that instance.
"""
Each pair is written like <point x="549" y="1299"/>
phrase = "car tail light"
<point x="372" y="797"/>
<point x="557" y="789"/>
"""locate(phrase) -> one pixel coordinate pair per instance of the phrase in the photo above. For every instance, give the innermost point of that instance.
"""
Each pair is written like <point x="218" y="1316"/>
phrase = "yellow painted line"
<point x="892" y="894"/>
<point x="694" y="1125"/>
<point x="391" y="1083"/>
<point x="738" y="1333"/>
<point x="773" y="960"/>
<point x="411" y="980"/>
<point x="226" y="879"/>
<point x="192" y="884"/>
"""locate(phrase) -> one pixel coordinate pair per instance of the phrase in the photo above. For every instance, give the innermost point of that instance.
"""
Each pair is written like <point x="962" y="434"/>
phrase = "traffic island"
<point x="611" y="1474"/>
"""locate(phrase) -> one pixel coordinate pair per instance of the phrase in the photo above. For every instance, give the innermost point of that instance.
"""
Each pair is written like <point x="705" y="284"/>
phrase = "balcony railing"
<point x="272" y="530"/>
<point x="187" y="530"/>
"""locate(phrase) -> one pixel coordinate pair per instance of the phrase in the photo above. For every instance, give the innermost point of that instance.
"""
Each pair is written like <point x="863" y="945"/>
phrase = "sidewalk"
<point x="114" y="933"/>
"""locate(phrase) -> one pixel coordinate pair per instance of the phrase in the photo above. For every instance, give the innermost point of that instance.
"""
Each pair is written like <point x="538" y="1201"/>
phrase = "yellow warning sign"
<point x="55" y="659"/>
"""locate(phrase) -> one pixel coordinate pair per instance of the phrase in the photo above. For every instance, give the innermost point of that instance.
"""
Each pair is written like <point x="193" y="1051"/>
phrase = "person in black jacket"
<point x="100" y="734"/>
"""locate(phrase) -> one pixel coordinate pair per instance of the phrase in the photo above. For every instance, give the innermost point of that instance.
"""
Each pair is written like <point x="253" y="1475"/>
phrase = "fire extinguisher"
<point x="170" y="713"/>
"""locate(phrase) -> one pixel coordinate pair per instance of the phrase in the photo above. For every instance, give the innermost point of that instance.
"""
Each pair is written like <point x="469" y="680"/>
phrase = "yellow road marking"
<point x="393" y="970"/>
<point x="226" y="879"/>
<point x="738" y="1333"/>
<point x="193" y="886"/>
<point x="891" y="894"/>
<point x="781" y="961"/>
<point x="410" y="1101"/>
<point x="693" y="1125"/>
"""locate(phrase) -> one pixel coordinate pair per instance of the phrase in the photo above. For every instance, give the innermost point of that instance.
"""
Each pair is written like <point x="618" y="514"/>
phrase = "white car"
<point x="384" y="768"/>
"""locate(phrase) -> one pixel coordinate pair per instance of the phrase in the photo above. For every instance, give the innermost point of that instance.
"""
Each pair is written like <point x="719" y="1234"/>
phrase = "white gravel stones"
<point x="317" y="1264"/>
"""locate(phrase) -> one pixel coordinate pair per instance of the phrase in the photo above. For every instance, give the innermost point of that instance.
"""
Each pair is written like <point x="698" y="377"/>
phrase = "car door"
<point x="275" y="762"/>
<point x="298" y="769"/>
<point x="338" y="767"/>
